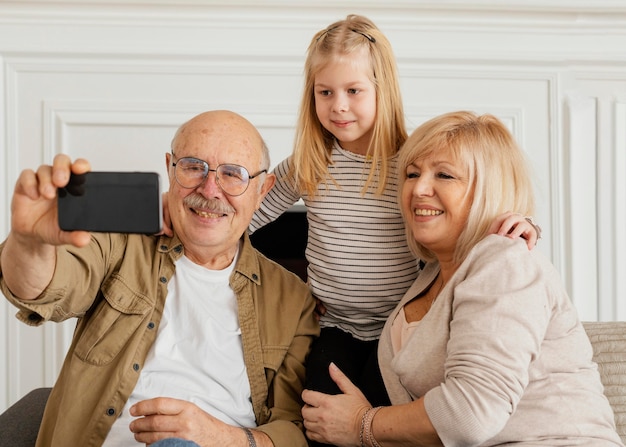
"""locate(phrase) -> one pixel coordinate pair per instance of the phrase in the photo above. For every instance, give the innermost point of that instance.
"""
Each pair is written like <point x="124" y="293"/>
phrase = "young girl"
<point x="350" y="128"/>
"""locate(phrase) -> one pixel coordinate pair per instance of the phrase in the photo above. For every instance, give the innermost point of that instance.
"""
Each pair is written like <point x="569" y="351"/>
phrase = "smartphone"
<point x="111" y="202"/>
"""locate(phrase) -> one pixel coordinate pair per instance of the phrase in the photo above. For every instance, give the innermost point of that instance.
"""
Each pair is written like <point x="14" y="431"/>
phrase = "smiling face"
<point x="345" y="100"/>
<point x="459" y="171"/>
<point x="208" y="221"/>
<point x="436" y="200"/>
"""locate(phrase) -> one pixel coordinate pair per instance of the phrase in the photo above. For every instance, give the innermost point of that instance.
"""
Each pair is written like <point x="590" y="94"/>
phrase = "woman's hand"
<point x="335" y="419"/>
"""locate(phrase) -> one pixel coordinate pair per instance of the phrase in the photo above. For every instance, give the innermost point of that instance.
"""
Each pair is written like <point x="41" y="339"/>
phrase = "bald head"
<point x="220" y="125"/>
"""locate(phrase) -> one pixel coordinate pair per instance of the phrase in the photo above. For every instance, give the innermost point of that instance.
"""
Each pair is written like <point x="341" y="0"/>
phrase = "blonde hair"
<point x="499" y="177"/>
<point x="313" y="144"/>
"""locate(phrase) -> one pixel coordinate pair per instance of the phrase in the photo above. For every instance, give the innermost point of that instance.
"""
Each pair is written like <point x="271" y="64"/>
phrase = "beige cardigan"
<point x="501" y="357"/>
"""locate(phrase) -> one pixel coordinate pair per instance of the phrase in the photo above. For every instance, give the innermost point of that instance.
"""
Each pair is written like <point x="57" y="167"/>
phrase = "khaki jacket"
<point x="116" y="288"/>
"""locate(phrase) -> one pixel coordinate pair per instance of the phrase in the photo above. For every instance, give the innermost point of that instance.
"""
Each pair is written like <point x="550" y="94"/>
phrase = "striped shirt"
<point x="359" y="262"/>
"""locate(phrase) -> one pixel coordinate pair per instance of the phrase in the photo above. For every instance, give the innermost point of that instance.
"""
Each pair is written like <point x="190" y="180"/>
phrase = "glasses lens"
<point x="233" y="179"/>
<point x="190" y="172"/>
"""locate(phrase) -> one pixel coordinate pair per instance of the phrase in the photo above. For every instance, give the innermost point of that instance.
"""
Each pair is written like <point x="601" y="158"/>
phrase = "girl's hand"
<point x="515" y="225"/>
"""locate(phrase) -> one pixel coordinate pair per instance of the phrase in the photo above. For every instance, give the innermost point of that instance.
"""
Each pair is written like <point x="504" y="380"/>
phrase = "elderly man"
<point x="196" y="336"/>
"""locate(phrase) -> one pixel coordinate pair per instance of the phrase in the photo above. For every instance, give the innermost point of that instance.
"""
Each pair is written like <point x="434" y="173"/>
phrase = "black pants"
<point x="356" y="358"/>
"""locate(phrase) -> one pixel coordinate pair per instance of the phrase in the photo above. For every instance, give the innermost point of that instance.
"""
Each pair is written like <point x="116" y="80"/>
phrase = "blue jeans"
<point x="174" y="442"/>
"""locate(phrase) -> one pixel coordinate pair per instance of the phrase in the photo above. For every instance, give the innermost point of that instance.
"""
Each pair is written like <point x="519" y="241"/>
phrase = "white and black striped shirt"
<point x="359" y="262"/>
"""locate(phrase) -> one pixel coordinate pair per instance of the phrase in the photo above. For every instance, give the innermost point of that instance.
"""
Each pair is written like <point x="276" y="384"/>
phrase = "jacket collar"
<point x="247" y="264"/>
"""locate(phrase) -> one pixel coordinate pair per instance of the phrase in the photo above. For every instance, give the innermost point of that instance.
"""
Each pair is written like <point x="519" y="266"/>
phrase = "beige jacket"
<point x="116" y="288"/>
<point x="501" y="358"/>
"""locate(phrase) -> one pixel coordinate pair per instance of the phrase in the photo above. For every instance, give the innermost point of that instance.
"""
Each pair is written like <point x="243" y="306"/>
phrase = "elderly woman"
<point x="485" y="348"/>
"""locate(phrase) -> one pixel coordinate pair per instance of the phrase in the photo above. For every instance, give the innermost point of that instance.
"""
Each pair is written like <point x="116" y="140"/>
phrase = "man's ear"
<point x="168" y="159"/>
<point x="268" y="184"/>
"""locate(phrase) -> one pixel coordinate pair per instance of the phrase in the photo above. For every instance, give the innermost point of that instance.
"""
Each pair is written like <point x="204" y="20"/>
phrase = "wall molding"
<point x="115" y="73"/>
<point x="558" y="30"/>
<point x="540" y="6"/>
<point x="619" y="255"/>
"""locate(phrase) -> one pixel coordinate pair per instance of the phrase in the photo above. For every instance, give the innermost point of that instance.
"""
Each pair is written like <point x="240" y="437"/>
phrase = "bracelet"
<point x="363" y="427"/>
<point x="365" y="435"/>
<point x="531" y="221"/>
<point x="248" y="432"/>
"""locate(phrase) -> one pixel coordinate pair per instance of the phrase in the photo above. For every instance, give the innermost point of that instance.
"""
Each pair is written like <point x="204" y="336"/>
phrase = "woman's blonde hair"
<point x="313" y="144"/>
<point x="499" y="178"/>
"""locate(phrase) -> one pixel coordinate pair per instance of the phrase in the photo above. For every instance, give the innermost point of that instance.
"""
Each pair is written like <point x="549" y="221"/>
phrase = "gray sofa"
<point x="19" y="423"/>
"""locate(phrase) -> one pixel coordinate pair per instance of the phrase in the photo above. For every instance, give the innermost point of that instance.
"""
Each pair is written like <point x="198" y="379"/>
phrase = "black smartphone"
<point x="111" y="202"/>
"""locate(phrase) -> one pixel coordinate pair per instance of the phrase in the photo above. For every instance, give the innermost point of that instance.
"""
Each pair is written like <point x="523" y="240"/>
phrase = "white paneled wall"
<point x="111" y="81"/>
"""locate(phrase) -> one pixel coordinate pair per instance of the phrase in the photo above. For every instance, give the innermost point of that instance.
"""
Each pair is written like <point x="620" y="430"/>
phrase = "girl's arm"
<point x="278" y="200"/>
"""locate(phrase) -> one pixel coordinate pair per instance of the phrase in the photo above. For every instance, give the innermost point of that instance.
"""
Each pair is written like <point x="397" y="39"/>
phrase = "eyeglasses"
<point x="232" y="179"/>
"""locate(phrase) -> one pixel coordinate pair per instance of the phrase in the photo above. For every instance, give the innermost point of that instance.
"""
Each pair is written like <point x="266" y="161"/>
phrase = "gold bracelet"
<point x="248" y="432"/>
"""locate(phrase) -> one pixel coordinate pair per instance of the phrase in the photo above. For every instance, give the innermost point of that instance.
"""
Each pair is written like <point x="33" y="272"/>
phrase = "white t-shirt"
<point x="197" y="356"/>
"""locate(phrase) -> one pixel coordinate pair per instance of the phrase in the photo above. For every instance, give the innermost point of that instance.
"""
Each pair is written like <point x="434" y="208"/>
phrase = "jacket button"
<point x="111" y="411"/>
<point x="151" y="325"/>
<point x="136" y="366"/>
<point x="163" y="247"/>
<point x="255" y="276"/>
<point x="163" y="279"/>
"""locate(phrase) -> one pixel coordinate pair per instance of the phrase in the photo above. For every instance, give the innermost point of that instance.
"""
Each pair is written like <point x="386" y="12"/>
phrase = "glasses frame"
<point x="217" y="177"/>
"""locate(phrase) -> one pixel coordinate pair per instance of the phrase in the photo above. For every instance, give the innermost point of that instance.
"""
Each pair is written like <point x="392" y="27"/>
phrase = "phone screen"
<point x="111" y="202"/>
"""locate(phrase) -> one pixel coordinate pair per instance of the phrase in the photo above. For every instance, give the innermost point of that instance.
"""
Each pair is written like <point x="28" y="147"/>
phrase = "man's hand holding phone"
<point x="61" y="203"/>
<point x="34" y="215"/>
<point x="41" y="219"/>
<point x="29" y="255"/>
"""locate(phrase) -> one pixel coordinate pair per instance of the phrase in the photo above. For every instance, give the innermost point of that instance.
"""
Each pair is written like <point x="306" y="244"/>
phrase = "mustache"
<point x="196" y="200"/>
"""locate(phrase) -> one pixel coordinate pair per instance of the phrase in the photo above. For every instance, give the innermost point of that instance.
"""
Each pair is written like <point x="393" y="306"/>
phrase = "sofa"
<point x="20" y="422"/>
<point x="609" y="352"/>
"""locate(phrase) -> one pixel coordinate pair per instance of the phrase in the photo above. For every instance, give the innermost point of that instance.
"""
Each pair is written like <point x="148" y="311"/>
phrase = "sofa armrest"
<point x="19" y="424"/>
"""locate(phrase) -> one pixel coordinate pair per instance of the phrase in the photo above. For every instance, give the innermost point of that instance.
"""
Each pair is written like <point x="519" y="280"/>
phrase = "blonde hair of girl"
<point x="313" y="143"/>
